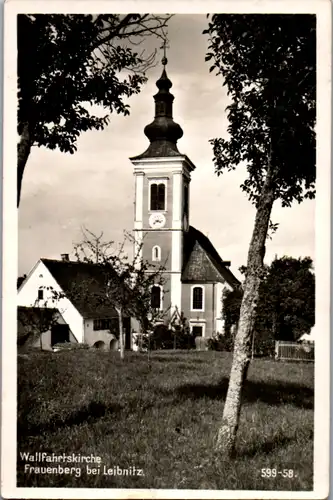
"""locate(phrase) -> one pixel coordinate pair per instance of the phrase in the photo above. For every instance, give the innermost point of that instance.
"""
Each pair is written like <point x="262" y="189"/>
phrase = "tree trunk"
<point x="242" y="347"/>
<point x="121" y="335"/>
<point x="23" y="152"/>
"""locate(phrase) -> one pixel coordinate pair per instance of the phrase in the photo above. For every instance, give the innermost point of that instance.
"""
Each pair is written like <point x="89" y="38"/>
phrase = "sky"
<point x="94" y="187"/>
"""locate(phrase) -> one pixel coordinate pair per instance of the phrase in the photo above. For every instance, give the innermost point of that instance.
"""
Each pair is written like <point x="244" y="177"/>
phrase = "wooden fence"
<point x="294" y="351"/>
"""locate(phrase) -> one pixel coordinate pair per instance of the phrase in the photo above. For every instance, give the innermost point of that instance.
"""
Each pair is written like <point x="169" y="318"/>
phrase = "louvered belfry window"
<point x="197" y="298"/>
<point x="156" y="297"/>
<point x="157" y="197"/>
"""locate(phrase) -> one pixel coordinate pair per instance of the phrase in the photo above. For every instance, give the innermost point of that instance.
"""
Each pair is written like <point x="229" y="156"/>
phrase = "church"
<point x="195" y="274"/>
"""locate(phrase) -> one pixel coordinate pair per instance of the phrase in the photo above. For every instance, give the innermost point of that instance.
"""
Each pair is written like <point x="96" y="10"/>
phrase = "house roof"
<point x="83" y="283"/>
<point x="30" y="319"/>
<point x="202" y="263"/>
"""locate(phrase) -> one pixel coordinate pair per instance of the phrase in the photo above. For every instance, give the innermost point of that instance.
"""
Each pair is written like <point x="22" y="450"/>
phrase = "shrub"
<point x="221" y="342"/>
<point x="165" y="338"/>
<point x="264" y="346"/>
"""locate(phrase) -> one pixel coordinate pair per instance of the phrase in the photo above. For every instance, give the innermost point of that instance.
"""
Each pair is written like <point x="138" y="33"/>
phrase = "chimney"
<point x="65" y="257"/>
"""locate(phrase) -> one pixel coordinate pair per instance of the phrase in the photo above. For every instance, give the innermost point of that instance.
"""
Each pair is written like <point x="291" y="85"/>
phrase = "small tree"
<point x="122" y="284"/>
<point x="183" y="339"/>
<point x="38" y="319"/>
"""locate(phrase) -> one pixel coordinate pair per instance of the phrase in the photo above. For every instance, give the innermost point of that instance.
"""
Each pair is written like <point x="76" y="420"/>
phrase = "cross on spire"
<point x="164" y="46"/>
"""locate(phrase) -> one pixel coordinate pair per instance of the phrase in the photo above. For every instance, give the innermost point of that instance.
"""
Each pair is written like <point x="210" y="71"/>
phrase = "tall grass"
<point x="163" y="418"/>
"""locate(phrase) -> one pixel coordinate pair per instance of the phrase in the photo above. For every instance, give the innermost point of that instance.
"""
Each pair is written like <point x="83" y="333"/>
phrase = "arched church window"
<point x="157" y="196"/>
<point x="197" y="298"/>
<point x="156" y="297"/>
<point x="156" y="254"/>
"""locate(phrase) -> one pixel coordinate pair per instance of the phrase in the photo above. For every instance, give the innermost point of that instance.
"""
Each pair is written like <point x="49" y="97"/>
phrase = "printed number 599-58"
<point x="275" y="473"/>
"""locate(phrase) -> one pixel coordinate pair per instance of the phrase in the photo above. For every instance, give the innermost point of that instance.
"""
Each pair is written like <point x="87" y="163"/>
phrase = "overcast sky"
<point x="95" y="186"/>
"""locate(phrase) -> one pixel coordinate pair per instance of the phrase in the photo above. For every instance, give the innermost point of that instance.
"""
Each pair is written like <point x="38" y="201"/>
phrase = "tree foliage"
<point x="286" y="307"/>
<point x="67" y="64"/>
<point x="268" y="64"/>
<point x="231" y="302"/>
<point x="287" y="299"/>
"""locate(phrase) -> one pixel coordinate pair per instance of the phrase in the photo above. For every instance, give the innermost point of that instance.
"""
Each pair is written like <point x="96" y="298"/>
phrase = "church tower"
<point x="162" y="183"/>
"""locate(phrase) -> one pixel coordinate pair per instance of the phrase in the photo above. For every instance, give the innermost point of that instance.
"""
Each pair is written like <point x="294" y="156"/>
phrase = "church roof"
<point x="83" y="283"/>
<point x="202" y="263"/>
<point x="159" y="149"/>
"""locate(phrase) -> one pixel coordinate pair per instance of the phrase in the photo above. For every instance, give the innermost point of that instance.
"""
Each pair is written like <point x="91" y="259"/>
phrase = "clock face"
<point x="156" y="220"/>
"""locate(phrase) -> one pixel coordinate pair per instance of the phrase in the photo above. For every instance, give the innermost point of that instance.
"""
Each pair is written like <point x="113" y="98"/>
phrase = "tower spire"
<point x="163" y="133"/>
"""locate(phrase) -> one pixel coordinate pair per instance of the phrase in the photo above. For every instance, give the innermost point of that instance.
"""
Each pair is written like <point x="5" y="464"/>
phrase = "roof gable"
<point x="82" y="283"/>
<point x="202" y="263"/>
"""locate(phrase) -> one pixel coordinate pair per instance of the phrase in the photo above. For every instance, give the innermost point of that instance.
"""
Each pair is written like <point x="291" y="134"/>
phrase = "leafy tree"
<point x="287" y="299"/>
<point x="268" y="64"/>
<point x="67" y="64"/>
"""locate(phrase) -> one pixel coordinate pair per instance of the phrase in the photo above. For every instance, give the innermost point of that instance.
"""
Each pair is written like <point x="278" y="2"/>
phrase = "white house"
<point x="88" y="322"/>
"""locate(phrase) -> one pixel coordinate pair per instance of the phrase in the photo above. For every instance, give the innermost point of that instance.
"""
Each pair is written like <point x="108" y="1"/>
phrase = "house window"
<point x="197" y="331"/>
<point x="197" y="298"/>
<point x="156" y="254"/>
<point x="157" y="196"/>
<point x="156" y="297"/>
<point x="110" y="324"/>
<point x="40" y="294"/>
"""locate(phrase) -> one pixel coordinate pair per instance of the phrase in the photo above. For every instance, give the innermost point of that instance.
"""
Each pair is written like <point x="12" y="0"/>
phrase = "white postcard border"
<point x="322" y="8"/>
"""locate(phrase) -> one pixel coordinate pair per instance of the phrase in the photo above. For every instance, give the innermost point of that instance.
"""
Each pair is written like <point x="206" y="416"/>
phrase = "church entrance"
<point x="197" y="331"/>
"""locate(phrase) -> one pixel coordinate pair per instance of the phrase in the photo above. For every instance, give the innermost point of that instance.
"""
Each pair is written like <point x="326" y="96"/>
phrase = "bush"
<point x="264" y="346"/>
<point x="165" y="338"/>
<point x="221" y="342"/>
<point x="142" y="340"/>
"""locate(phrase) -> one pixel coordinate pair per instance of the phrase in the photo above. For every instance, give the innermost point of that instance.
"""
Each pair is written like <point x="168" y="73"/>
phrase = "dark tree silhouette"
<point x="66" y="64"/>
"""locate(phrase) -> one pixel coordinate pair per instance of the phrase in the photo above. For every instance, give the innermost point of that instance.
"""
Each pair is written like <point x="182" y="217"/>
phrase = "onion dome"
<point x="163" y="133"/>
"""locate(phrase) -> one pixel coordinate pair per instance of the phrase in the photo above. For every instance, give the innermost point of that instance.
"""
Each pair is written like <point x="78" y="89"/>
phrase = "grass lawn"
<point x="163" y="419"/>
